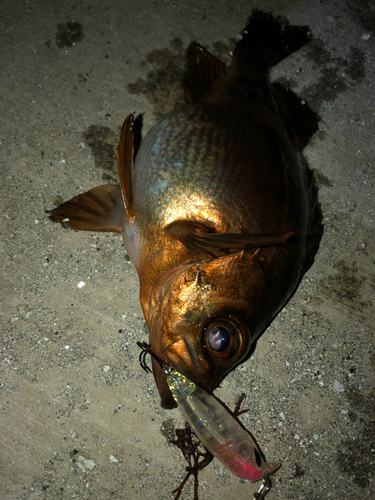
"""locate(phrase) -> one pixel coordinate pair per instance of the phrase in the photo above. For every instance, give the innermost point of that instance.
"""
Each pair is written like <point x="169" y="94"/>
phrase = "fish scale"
<point x="223" y="158"/>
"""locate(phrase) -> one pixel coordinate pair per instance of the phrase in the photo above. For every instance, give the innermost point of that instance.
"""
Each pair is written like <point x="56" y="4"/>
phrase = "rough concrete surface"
<point x="72" y="391"/>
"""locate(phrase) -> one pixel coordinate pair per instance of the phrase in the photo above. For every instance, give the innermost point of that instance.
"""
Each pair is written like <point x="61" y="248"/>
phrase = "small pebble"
<point x="84" y="463"/>
<point x="112" y="459"/>
<point x="366" y="36"/>
<point x="322" y="127"/>
<point x="106" y="368"/>
<point x="338" y="387"/>
<point x="81" y="284"/>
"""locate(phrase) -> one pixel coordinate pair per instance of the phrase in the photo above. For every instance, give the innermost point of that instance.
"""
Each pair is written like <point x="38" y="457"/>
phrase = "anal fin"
<point x="301" y="119"/>
<point x="100" y="209"/>
<point x="315" y="229"/>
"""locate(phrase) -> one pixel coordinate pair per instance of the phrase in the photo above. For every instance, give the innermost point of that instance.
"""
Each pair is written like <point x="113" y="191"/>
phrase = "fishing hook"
<point x="146" y="349"/>
<point x="264" y="489"/>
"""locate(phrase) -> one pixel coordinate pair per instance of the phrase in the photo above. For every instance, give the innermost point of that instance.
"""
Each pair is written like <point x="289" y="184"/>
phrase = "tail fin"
<point x="266" y="40"/>
<point x="269" y="39"/>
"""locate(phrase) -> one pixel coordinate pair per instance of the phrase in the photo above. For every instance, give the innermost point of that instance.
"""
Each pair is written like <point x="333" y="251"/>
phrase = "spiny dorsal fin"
<point x="200" y="239"/>
<point x="125" y="159"/>
<point x="202" y="70"/>
<point x="299" y="116"/>
<point x="100" y="209"/>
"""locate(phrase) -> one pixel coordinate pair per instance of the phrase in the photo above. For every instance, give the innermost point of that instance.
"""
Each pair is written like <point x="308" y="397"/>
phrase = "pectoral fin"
<point x="200" y="239"/>
<point x="100" y="209"/>
<point x="125" y="159"/>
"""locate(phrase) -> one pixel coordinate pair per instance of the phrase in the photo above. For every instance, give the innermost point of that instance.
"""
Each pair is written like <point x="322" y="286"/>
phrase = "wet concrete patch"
<point x="162" y="85"/>
<point x="337" y="74"/>
<point x="69" y="33"/>
<point x="168" y="429"/>
<point x="321" y="179"/>
<point x="344" y="285"/>
<point x="355" y="455"/>
<point x="355" y="67"/>
<point x="102" y="142"/>
<point x="344" y="289"/>
<point x="364" y="13"/>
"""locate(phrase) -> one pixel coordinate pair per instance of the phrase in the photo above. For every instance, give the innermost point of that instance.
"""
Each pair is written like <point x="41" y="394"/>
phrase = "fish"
<point x="218" y="210"/>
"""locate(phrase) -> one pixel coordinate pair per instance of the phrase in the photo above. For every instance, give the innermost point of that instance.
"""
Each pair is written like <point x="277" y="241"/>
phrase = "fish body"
<point x="219" y="210"/>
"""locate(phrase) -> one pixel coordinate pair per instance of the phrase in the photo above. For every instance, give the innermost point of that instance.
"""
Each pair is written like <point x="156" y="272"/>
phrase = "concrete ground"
<point x="79" y="417"/>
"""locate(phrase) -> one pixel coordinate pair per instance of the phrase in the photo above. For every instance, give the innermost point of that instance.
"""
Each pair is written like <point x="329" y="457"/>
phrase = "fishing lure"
<point x="217" y="429"/>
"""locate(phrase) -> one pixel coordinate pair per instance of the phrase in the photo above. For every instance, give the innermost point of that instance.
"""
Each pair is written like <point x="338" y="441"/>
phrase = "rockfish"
<point x="218" y="211"/>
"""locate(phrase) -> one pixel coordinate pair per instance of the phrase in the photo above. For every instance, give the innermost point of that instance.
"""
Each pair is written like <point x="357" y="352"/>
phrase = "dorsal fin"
<point x="199" y="239"/>
<point x="202" y="70"/>
<point x="100" y="209"/>
<point x="125" y="159"/>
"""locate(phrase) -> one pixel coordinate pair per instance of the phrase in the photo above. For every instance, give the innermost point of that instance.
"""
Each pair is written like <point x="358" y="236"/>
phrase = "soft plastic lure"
<point x="220" y="432"/>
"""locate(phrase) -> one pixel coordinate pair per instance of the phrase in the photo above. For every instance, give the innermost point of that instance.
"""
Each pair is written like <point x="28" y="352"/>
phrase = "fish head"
<point x="203" y="318"/>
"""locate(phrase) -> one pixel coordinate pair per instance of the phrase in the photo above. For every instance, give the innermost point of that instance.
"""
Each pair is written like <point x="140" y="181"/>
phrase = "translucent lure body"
<point x="218" y="430"/>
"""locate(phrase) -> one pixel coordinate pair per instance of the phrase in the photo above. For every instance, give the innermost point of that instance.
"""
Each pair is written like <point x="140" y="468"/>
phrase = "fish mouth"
<point x="185" y="359"/>
<point x="167" y="400"/>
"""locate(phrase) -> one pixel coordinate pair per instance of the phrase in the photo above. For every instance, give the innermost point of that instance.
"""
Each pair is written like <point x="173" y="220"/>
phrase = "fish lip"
<point x="185" y="359"/>
<point x="167" y="400"/>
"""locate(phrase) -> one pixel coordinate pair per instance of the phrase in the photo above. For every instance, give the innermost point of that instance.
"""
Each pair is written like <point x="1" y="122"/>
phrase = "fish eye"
<point x="219" y="338"/>
<point x="226" y="341"/>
